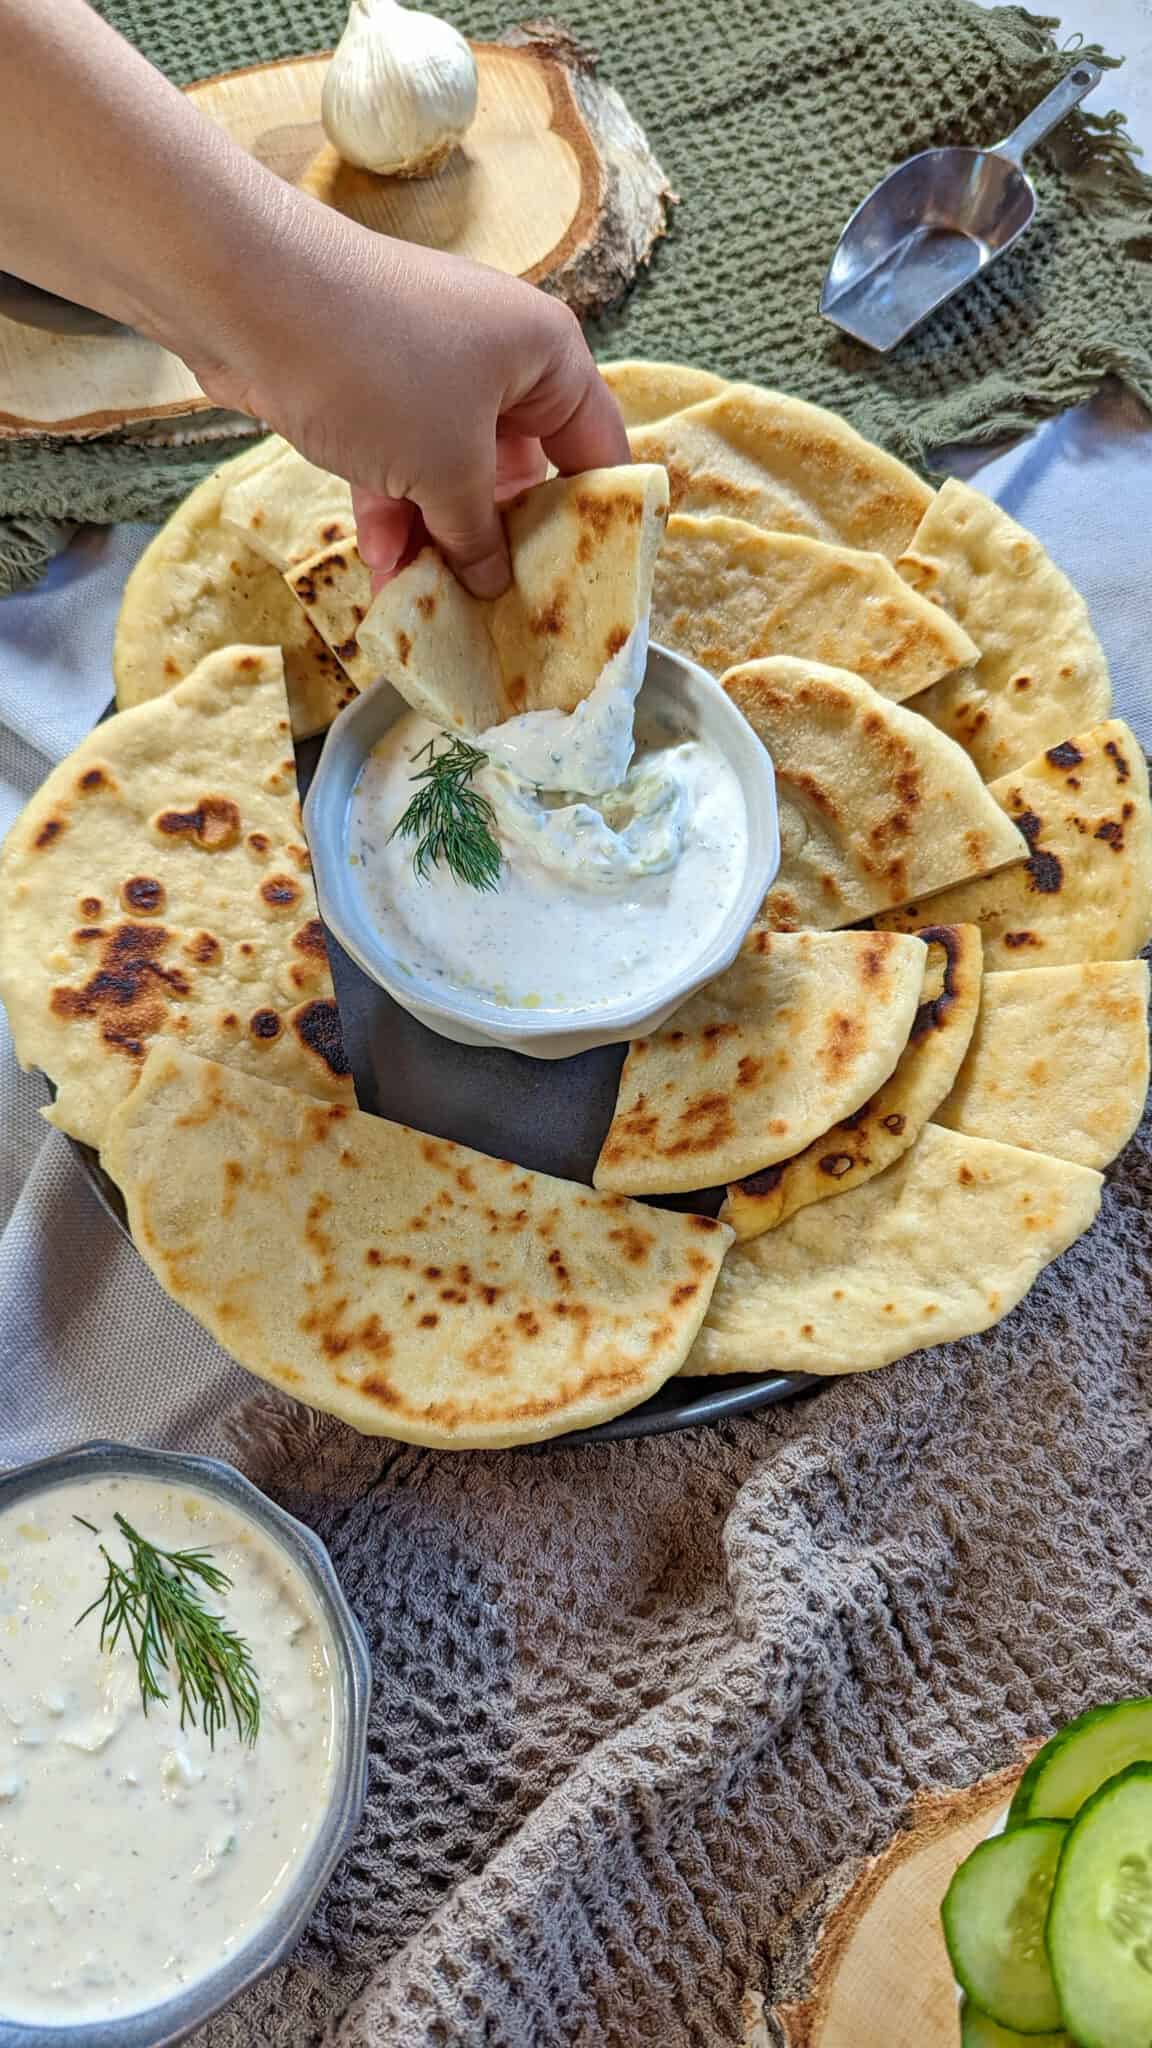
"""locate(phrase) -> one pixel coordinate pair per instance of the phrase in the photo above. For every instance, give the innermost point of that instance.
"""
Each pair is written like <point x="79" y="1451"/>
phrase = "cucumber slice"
<point x="994" y="1912"/>
<point x="1085" y="1754"/>
<point x="1100" y="1923"/>
<point x="978" y="2031"/>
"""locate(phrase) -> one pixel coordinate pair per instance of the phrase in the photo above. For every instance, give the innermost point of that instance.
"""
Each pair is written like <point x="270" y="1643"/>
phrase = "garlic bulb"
<point x="400" y="90"/>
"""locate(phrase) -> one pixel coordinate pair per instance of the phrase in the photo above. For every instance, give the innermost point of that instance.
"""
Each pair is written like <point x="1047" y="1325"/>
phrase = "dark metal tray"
<point x="546" y="1114"/>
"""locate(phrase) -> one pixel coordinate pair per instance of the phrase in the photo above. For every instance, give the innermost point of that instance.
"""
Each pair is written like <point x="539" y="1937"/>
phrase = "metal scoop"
<point x="936" y="222"/>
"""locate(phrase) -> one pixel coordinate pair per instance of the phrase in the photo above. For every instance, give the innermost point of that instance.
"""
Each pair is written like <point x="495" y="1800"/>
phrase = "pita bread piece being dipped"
<point x="582" y="551"/>
<point x="419" y="1290"/>
<point x="540" y="840"/>
<point x="158" y="883"/>
<point x="799" y="1031"/>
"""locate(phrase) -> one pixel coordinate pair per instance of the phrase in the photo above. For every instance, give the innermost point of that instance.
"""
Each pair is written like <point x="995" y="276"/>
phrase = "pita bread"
<point x="777" y="462"/>
<point x="865" y="1143"/>
<point x="726" y="592"/>
<point x="796" y="1034"/>
<point x="1059" y="1062"/>
<point x="583" y="549"/>
<point x="649" y="391"/>
<point x="1041" y="671"/>
<point x="418" y="1290"/>
<point x="941" y="1245"/>
<point x="158" y="882"/>
<point x="197" y="588"/>
<point x="873" y="800"/>
<point x="288" y="510"/>
<point x="1085" y="892"/>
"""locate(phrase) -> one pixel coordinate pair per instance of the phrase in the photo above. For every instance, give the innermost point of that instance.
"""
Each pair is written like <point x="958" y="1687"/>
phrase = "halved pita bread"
<point x="418" y="1290"/>
<point x="796" y="1034"/>
<point x="777" y="462"/>
<point x="649" y="391"/>
<point x="198" y="588"/>
<point x="865" y="1143"/>
<point x="287" y="510"/>
<point x="1085" y="891"/>
<point x="583" y="550"/>
<point x="873" y="800"/>
<point x="941" y="1245"/>
<point x="1059" y="1061"/>
<point x="158" y="882"/>
<point x="726" y="592"/>
<point x="1041" y="672"/>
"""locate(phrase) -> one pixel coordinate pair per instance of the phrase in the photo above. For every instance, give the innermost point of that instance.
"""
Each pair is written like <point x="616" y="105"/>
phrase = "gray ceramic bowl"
<point x="179" y="2017"/>
<point x="683" y="697"/>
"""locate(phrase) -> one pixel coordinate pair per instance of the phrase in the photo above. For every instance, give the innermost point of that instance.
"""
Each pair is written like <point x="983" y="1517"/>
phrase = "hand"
<point x="438" y="387"/>
<point x="434" y="386"/>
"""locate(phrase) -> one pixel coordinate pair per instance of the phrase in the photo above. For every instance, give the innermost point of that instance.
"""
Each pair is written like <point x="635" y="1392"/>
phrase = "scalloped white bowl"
<point x="682" y="696"/>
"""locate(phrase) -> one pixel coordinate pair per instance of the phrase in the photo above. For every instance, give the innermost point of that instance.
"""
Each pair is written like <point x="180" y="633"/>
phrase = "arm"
<point x="404" y="370"/>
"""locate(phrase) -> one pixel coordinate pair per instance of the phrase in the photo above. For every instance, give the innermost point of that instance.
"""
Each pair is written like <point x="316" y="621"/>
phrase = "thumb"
<point x="462" y="519"/>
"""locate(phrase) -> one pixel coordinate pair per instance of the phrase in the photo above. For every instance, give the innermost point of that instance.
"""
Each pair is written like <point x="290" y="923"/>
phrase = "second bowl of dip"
<point x="150" y="1874"/>
<point x="555" y="960"/>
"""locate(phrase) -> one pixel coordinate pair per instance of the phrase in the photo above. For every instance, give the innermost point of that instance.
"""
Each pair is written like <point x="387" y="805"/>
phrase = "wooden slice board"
<point x="881" y="1976"/>
<point x="553" y="182"/>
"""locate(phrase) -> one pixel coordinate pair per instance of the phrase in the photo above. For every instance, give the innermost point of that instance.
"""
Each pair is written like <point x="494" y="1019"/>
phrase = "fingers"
<point x="520" y="463"/>
<point x="593" y="437"/>
<point x="386" y="529"/>
<point x="460" y="513"/>
<point x="570" y="409"/>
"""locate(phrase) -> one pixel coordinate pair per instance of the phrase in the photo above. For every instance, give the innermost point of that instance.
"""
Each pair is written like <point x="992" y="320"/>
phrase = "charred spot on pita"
<point x="310" y="939"/>
<point x="1045" y="872"/>
<point x="144" y="894"/>
<point x="317" y="1026"/>
<point x="130" y="992"/>
<point x="280" y="892"/>
<point x="214" y="823"/>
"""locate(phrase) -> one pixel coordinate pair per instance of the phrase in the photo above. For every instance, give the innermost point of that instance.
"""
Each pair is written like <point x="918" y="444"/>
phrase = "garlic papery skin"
<point x="400" y="90"/>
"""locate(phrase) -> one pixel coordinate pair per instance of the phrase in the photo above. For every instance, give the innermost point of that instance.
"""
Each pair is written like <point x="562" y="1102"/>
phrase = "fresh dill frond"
<point x="155" y="1603"/>
<point x="450" y="821"/>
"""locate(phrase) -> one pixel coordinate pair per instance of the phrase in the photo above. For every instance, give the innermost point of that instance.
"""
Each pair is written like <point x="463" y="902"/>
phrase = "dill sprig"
<point x="156" y="1603"/>
<point x="450" y="821"/>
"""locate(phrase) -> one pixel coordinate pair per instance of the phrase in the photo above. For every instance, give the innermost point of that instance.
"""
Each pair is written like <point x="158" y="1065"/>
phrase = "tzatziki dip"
<point x="621" y="853"/>
<point x="135" y="1854"/>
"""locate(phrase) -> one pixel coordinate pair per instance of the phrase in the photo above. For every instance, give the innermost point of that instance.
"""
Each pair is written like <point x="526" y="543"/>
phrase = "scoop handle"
<point x="1053" y="108"/>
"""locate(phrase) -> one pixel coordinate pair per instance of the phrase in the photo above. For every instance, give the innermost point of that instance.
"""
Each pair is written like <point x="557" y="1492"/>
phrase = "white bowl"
<point x="694" y="706"/>
<point x="193" y="2003"/>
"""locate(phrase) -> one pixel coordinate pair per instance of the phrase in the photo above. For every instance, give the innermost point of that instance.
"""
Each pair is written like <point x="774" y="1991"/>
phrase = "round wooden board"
<point x="524" y="182"/>
<point x="553" y="182"/>
<point x="881" y="1976"/>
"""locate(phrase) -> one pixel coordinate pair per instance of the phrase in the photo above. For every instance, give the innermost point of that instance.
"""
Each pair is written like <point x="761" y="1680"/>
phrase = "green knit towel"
<point x="772" y="122"/>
